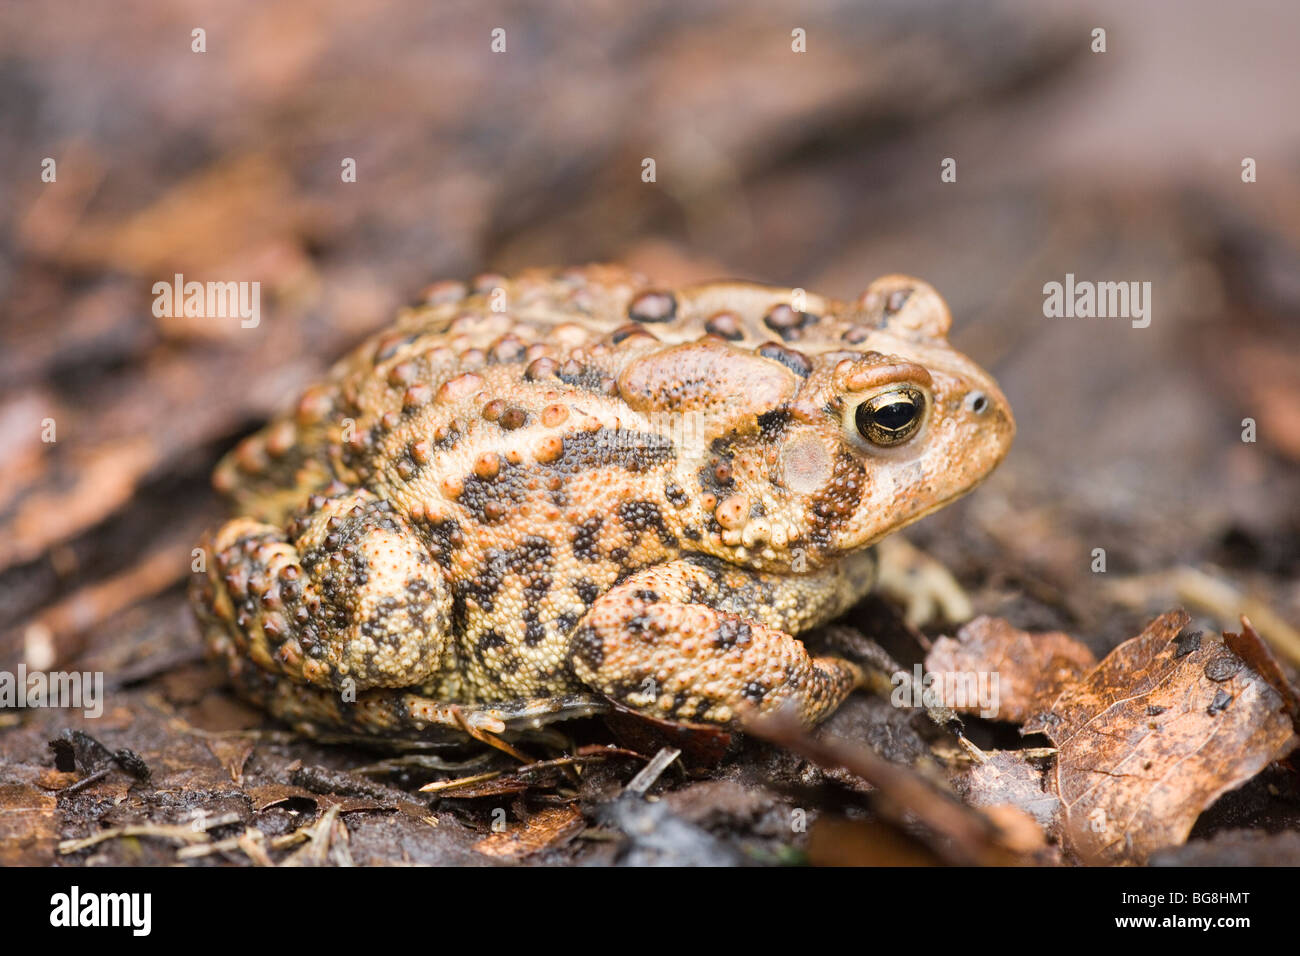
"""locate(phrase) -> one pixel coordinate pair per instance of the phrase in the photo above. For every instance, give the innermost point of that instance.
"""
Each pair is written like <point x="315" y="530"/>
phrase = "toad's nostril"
<point x="977" y="402"/>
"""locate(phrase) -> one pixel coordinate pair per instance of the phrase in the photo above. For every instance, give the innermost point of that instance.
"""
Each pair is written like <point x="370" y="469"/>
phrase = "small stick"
<point x="87" y="781"/>
<point x="648" y="774"/>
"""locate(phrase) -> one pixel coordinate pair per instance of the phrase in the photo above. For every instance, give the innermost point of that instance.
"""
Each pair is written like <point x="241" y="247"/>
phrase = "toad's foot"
<point x="926" y="589"/>
<point x="347" y="600"/>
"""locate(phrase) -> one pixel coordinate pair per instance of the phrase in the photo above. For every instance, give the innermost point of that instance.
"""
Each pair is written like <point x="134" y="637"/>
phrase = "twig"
<point x="316" y="852"/>
<point x="184" y="833"/>
<point x="85" y="782"/>
<point x="439" y="786"/>
<point x="482" y="736"/>
<point x="648" y="774"/>
<point x="966" y="837"/>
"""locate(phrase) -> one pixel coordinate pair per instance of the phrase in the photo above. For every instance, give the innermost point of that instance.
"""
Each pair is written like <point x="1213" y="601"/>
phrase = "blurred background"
<point x="818" y="169"/>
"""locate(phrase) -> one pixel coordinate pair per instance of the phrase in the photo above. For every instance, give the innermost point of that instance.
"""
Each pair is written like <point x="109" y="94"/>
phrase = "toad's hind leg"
<point x="669" y="642"/>
<point x="348" y="599"/>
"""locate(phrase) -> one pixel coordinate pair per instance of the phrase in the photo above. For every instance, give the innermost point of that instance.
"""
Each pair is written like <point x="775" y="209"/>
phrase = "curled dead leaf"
<point x="1167" y="723"/>
<point x="1254" y="650"/>
<point x="1031" y="669"/>
<point x="554" y="826"/>
<point x="1009" y="778"/>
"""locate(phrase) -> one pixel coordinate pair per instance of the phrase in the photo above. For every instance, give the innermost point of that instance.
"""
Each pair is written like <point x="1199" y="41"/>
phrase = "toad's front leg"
<point x="670" y="643"/>
<point x="923" y="587"/>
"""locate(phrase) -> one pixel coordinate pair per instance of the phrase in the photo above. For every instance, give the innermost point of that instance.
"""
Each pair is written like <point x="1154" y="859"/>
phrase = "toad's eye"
<point x="891" y="417"/>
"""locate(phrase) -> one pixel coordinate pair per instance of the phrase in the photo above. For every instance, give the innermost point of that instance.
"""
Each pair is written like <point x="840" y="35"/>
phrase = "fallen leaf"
<point x="233" y="754"/>
<point x="28" y="824"/>
<point x="552" y="827"/>
<point x="1031" y="669"/>
<point x="1254" y="650"/>
<point x="274" y="793"/>
<point x="269" y="795"/>
<point x="482" y="785"/>
<point x="1009" y="778"/>
<point x="700" y="744"/>
<point x="1153" y="735"/>
<point x="56" y="779"/>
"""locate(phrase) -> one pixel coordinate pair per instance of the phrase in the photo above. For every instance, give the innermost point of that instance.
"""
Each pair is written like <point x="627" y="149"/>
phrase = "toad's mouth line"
<point x="931" y="509"/>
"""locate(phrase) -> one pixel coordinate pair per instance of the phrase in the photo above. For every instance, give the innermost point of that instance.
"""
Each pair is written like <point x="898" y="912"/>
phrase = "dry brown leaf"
<point x="1254" y="650"/>
<point x="270" y="794"/>
<point x="233" y="752"/>
<point x="50" y="779"/>
<point x="552" y="827"/>
<point x="481" y="786"/>
<point x="1032" y="668"/>
<point x="1009" y="778"/>
<point x="28" y="825"/>
<point x="700" y="744"/>
<point x="273" y="793"/>
<point x="1167" y="723"/>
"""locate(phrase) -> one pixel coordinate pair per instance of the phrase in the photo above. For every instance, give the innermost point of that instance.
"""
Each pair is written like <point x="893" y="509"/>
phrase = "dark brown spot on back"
<point x="786" y="322"/>
<point x="653" y="306"/>
<point x="795" y="361"/>
<point x="725" y="325"/>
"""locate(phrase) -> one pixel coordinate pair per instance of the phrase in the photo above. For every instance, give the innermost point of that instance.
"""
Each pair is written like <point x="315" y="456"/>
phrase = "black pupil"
<point x="894" y="416"/>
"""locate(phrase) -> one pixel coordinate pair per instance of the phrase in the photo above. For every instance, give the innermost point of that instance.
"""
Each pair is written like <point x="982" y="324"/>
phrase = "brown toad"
<point x="531" y="497"/>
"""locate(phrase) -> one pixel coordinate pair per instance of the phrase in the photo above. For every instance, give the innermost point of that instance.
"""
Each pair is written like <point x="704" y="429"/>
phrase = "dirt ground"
<point x="820" y="170"/>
